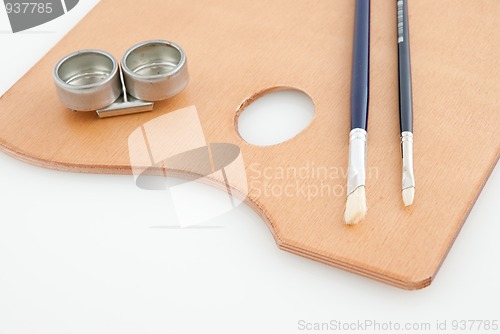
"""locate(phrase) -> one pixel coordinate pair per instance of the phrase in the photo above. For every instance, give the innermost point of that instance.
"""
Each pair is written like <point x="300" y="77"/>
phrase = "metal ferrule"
<point x="356" y="170"/>
<point x="407" y="149"/>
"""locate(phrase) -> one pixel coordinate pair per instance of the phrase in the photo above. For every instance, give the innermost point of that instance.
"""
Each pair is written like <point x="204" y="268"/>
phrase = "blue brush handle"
<point x="404" y="69"/>
<point x="361" y="66"/>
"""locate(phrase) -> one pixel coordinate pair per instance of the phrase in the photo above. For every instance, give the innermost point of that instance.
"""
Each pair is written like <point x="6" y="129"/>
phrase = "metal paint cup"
<point x="87" y="80"/>
<point x="155" y="70"/>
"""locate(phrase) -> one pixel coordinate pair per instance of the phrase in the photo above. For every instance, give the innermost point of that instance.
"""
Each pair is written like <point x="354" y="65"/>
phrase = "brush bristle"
<point x="408" y="196"/>
<point x="355" y="209"/>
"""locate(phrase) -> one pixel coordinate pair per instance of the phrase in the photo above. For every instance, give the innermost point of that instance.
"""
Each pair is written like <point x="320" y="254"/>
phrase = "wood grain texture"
<point x="236" y="49"/>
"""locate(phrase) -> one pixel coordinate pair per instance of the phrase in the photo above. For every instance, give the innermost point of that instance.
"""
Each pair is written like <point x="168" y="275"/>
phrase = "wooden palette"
<point x="237" y="50"/>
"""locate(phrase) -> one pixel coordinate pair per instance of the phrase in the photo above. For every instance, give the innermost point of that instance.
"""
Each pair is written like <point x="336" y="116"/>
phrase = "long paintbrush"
<point x="356" y="173"/>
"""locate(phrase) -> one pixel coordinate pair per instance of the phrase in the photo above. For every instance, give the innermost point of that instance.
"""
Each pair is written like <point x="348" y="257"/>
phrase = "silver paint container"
<point x="87" y="80"/>
<point x="155" y="70"/>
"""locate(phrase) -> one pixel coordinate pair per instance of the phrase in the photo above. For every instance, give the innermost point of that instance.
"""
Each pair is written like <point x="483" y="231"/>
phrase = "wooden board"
<point x="237" y="49"/>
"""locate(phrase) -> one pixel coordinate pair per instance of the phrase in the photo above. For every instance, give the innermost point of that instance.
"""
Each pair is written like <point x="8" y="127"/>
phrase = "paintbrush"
<point x="405" y="103"/>
<point x="356" y="173"/>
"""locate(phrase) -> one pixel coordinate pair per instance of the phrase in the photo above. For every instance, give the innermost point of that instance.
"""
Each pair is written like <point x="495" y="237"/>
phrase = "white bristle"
<point x="355" y="209"/>
<point x="408" y="196"/>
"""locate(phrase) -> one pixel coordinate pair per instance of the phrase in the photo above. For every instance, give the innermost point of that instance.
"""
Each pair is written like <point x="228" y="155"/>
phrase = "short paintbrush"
<point x="405" y="103"/>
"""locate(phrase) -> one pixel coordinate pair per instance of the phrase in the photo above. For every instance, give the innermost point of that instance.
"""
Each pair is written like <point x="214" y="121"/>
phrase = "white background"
<point x="81" y="254"/>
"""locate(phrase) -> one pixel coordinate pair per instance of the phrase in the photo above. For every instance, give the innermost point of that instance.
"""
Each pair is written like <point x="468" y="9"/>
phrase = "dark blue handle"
<point x="404" y="69"/>
<point x="360" y="81"/>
